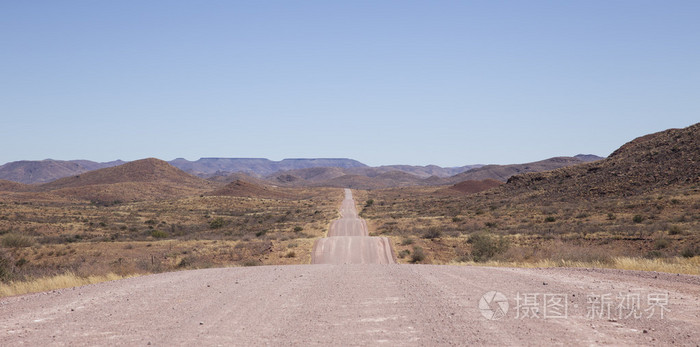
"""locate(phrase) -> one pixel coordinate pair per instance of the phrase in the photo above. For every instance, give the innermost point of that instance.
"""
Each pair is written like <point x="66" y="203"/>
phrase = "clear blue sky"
<point x="383" y="82"/>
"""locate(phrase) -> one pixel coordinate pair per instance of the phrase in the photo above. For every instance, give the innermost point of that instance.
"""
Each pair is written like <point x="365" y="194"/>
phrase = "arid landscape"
<point x="636" y="210"/>
<point x="349" y="173"/>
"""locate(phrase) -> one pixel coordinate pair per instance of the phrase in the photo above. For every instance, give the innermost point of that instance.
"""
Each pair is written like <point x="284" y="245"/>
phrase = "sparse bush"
<point x="432" y="233"/>
<point x="687" y="252"/>
<point x="456" y="219"/>
<point x="418" y="254"/>
<point x="290" y="254"/>
<point x="404" y="253"/>
<point x="550" y="219"/>
<point x="6" y="266"/>
<point x="661" y="243"/>
<point x="217" y="223"/>
<point x="637" y="218"/>
<point x="675" y="230"/>
<point x="406" y="241"/>
<point x="17" y="241"/>
<point x="369" y="202"/>
<point x="611" y="216"/>
<point x="251" y="262"/>
<point x="485" y="247"/>
<point x="298" y="229"/>
<point x="159" y="234"/>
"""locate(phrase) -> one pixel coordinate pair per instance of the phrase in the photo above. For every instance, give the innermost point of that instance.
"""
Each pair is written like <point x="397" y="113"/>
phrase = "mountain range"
<point x="334" y="172"/>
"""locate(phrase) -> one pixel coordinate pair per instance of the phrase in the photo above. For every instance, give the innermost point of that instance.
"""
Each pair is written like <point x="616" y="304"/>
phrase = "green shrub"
<point x="17" y="241"/>
<point x="217" y="223"/>
<point x="158" y="234"/>
<point x="404" y="253"/>
<point x="406" y="241"/>
<point x="550" y="219"/>
<point x="485" y="247"/>
<point x="6" y="266"/>
<point x="432" y="233"/>
<point x="661" y="243"/>
<point x="418" y="254"/>
<point x="637" y="218"/>
<point x="690" y="252"/>
<point x="298" y="229"/>
<point x="675" y="230"/>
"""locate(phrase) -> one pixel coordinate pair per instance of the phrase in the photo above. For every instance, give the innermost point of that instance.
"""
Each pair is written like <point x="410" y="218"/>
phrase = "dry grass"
<point x="66" y="280"/>
<point x="40" y="238"/>
<point x="676" y="265"/>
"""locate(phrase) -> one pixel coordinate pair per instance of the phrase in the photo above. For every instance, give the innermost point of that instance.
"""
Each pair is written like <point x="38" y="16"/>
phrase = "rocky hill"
<point x="472" y="187"/>
<point x="142" y="179"/>
<point x="503" y="172"/>
<point x="251" y="190"/>
<point x="659" y="160"/>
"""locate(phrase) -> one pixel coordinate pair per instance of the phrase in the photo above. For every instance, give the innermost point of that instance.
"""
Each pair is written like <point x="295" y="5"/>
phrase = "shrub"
<point x="485" y="247"/>
<point x="369" y="203"/>
<point x="661" y="243"/>
<point x="290" y="254"/>
<point x="550" y="219"/>
<point x="637" y="218"/>
<point x="251" y="262"/>
<point x="217" y="223"/>
<point x="404" y="253"/>
<point x="6" y="266"/>
<point x="298" y="229"/>
<point x="17" y="241"/>
<point x="687" y="252"/>
<point x="675" y="230"/>
<point x="158" y="234"/>
<point x="418" y="254"/>
<point x="432" y="233"/>
<point x="406" y="241"/>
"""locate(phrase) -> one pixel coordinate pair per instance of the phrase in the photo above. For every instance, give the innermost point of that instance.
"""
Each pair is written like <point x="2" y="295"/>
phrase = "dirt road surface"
<point x="348" y="241"/>
<point x="355" y="305"/>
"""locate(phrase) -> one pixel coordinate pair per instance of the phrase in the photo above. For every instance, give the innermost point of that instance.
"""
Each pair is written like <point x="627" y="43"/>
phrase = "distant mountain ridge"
<point x="42" y="171"/>
<point x="257" y="166"/>
<point x="332" y="172"/>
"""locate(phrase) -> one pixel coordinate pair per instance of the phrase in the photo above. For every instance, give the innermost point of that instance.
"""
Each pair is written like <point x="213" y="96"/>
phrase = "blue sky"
<point x="384" y="82"/>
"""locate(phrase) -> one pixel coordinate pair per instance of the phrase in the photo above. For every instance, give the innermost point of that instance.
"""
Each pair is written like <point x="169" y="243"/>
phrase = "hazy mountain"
<point x="41" y="171"/>
<point x="257" y="166"/>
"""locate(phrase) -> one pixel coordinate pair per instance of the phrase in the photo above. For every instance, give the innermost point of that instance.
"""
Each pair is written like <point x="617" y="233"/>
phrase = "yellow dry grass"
<point x="66" y="280"/>
<point x="676" y="265"/>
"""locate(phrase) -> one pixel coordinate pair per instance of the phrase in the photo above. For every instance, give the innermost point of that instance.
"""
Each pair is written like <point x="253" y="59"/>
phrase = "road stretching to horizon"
<point x="348" y="240"/>
<point x="363" y="304"/>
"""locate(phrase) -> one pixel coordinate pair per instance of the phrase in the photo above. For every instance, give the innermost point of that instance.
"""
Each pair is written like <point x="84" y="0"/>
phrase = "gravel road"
<point x="348" y="241"/>
<point x="355" y="305"/>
